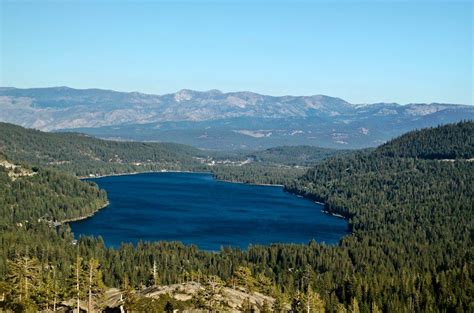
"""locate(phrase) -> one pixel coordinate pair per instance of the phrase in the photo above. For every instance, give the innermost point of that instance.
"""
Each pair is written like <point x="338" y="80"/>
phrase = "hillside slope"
<point x="32" y="194"/>
<point x="82" y="154"/>
<point x="412" y="216"/>
<point x="455" y="141"/>
<point x="294" y="155"/>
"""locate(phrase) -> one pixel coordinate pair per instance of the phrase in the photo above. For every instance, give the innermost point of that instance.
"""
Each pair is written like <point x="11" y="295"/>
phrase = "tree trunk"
<point x="77" y="287"/>
<point x="26" y="280"/>
<point x="154" y="274"/>
<point x="89" y="306"/>
<point x="55" y="289"/>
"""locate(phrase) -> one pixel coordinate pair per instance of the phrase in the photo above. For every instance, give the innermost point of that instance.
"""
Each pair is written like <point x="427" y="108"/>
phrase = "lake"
<point x="197" y="209"/>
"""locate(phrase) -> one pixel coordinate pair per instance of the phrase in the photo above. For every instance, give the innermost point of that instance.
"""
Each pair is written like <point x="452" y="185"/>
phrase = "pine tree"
<point x="244" y="278"/>
<point x="78" y="282"/>
<point x="297" y="303"/>
<point x="49" y="289"/>
<point x="212" y="291"/>
<point x="312" y="301"/>
<point x="280" y="303"/>
<point x="95" y="284"/>
<point x="154" y="276"/>
<point x="355" y="306"/>
<point x="375" y="308"/>
<point x="264" y="283"/>
<point x="23" y="274"/>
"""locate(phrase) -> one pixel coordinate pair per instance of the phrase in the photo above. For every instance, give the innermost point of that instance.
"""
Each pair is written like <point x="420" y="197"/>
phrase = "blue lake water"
<point x="196" y="209"/>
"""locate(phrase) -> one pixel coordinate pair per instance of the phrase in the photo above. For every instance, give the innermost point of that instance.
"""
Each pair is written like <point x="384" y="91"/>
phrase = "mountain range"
<point x="216" y="120"/>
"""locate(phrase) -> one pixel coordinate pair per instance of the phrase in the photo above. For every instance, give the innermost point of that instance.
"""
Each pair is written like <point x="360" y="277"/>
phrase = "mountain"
<point x="216" y="120"/>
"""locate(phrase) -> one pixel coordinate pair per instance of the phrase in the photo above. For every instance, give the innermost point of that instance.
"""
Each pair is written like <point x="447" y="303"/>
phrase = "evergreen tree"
<point x="312" y="302"/>
<point x="78" y="282"/>
<point x="24" y="276"/>
<point x="280" y="303"/>
<point x="94" y="283"/>
<point x="355" y="306"/>
<point x="243" y="276"/>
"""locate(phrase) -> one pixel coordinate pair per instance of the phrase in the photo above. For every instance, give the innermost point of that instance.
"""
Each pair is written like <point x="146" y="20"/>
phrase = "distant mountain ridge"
<point x="213" y="119"/>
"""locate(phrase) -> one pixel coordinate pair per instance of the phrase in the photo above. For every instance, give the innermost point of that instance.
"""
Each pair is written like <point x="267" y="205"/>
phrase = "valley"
<point x="409" y="214"/>
<point x="236" y="156"/>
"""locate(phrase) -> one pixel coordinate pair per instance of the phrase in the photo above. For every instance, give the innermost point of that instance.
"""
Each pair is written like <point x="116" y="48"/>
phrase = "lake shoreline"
<point x="137" y="173"/>
<point x="178" y="171"/>
<point x="332" y="214"/>
<point x="250" y="184"/>
<point x="79" y="218"/>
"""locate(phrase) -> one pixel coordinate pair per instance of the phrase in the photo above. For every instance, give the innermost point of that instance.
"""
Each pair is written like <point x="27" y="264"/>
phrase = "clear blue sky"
<point x="363" y="52"/>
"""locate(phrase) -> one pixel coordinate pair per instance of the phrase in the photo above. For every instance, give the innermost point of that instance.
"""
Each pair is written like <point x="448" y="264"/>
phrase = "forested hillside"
<point x="81" y="154"/>
<point x="453" y="141"/>
<point x="47" y="195"/>
<point x="294" y="155"/>
<point x="412" y="218"/>
<point x="410" y="249"/>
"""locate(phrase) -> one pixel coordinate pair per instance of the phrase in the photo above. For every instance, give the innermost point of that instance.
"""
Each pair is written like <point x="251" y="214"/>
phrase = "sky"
<point x="363" y="52"/>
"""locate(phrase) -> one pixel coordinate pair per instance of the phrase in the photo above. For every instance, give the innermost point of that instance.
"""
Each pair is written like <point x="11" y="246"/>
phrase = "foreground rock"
<point x="233" y="298"/>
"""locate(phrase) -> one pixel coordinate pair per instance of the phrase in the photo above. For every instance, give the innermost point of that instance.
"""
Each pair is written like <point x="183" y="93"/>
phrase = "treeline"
<point x="452" y="141"/>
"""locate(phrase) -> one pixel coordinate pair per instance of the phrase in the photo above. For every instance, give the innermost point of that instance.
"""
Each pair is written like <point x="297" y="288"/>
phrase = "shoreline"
<point x="251" y="184"/>
<point x="334" y="214"/>
<point x="179" y="171"/>
<point x="136" y="173"/>
<point x="75" y="219"/>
